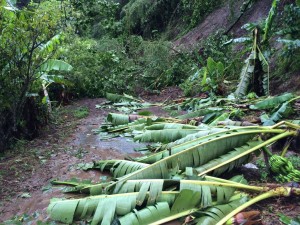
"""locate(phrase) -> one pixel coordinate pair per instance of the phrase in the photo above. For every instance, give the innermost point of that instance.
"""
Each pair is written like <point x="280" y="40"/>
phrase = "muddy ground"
<point x="26" y="171"/>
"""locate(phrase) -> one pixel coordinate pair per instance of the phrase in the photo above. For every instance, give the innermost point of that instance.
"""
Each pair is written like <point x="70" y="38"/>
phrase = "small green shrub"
<point x="206" y="79"/>
<point x="81" y="112"/>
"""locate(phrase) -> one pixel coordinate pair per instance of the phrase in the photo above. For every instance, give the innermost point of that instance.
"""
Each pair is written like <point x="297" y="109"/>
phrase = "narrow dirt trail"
<point x="56" y="155"/>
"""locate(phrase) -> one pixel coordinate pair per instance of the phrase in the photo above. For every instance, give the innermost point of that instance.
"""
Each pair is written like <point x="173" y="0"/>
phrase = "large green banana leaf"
<point x="162" y="126"/>
<point x="105" y="207"/>
<point x="192" y="197"/>
<point x="195" y="156"/>
<point x="284" y="110"/>
<point x="215" y="213"/>
<point x="147" y="215"/>
<point x="228" y="167"/>
<point x="191" y="141"/>
<point x="185" y="202"/>
<point x="164" y="136"/>
<point x="271" y="102"/>
<point x="99" y="208"/>
<point x="119" y="168"/>
<point x="201" y="112"/>
<point x="269" y="20"/>
<point x="121" y="98"/>
<point x="54" y="64"/>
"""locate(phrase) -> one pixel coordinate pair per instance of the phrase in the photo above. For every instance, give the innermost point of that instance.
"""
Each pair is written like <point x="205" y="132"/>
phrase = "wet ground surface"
<point x="26" y="172"/>
<point x="56" y="156"/>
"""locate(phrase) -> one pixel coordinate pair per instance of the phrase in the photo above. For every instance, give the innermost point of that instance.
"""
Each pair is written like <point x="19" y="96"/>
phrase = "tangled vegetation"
<point x="54" y="51"/>
<point x="112" y="46"/>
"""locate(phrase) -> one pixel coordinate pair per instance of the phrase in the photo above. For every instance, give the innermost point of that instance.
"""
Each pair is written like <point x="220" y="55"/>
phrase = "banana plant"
<point x="255" y="72"/>
<point x="47" y="79"/>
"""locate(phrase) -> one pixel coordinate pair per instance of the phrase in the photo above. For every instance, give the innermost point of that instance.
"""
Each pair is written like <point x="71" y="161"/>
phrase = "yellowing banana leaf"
<point x="246" y="76"/>
<point x="271" y="102"/>
<point x="164" y="136"/>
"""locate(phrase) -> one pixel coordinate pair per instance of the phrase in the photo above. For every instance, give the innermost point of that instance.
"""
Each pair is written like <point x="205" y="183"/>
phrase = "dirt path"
<point x="26" y="173"/>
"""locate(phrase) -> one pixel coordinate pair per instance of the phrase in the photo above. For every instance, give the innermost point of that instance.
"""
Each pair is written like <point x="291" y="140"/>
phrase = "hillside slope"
<point x="228" y="18"/>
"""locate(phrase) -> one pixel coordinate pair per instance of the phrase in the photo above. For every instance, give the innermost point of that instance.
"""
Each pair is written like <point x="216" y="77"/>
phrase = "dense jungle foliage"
<point x="52" y="51"/>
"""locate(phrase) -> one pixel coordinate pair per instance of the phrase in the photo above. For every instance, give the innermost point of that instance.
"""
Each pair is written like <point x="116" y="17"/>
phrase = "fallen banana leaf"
<point x="196" y="155"/>
<point x="246" y="75"/>
<point x="271" y="102"/>
<point x="284" y="111"/>
<point x="200" y="113"/>
<point x="146" y="215"/>
<point x="121" y="98"/>
<point x="215" y="213"/>
<point x="190" y="141"/>
<point x="222" y="117"/>
<point x="228" y="167"/>
<point x="119" y="168"/>
<point x="164" y="136"/>
<point x="99" y="208"/>
<point x="162" y="126"/>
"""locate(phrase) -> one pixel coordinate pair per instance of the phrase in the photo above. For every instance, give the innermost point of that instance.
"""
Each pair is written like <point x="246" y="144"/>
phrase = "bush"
<point x="122" y="65"/>
<point x="23" y="49"/>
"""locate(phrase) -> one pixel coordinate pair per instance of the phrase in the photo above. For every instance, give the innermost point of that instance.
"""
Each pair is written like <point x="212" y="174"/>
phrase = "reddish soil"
<point x="227" y="19"/>
<point x="31" y="166"/>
